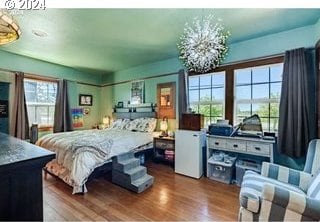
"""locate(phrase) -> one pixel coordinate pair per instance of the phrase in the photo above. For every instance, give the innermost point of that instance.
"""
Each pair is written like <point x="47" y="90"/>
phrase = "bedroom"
<point x="114" y="78"/>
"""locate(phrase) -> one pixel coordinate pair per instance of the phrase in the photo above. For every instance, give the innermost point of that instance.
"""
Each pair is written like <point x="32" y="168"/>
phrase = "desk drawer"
<point x="259" y="148"/>
<point x="164" y="145"/>
<point x="236" y="145"/>
<point x="217" y="143"/>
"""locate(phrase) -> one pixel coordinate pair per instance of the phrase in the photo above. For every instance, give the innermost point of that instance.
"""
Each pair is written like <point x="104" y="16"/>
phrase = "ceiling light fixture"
<point x="9" y="29"/>
<point x="203" y="45"/>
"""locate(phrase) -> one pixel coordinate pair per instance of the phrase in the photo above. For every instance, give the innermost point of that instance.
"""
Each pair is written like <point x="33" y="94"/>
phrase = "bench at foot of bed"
<point x="127" y="172"/>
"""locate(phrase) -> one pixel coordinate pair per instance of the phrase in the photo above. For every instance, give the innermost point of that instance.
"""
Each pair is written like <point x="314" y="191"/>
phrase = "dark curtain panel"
<point x="182" y="94"/>
<point x="62" y="113"/>
<point x="294" y="132"/>
<point x="19" y="126"/>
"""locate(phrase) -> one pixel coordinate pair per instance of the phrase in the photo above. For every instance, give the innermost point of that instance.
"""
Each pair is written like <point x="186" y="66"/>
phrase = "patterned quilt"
<point x="78" y="153"/>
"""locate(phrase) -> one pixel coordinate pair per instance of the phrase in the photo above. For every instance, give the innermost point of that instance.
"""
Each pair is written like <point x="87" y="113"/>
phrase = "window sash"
<point x="43" y="117"/>
<point x="211" y="85"/>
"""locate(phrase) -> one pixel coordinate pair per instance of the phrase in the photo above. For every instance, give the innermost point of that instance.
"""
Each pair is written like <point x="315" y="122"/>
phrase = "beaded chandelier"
<point x="203" y="45"/>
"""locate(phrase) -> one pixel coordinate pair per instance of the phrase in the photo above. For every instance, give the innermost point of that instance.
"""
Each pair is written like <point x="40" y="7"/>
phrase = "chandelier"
<point x="9" y="29"/>
<point x="203" y="45"/>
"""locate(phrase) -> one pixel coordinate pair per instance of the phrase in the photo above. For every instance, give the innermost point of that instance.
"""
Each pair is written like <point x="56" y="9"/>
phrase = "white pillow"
<point x="142" y="125"/>
<point x="119" y="124"/>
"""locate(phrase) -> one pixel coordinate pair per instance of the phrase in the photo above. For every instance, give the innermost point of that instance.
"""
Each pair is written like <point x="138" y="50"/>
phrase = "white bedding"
<point x="74" y="166"/>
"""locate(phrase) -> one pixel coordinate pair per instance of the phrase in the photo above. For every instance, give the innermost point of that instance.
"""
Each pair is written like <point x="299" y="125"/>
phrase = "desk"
<point x="21" y="166"/>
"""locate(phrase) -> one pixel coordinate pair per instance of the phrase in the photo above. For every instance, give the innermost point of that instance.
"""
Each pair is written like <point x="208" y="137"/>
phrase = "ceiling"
<point x="107" y="40"/>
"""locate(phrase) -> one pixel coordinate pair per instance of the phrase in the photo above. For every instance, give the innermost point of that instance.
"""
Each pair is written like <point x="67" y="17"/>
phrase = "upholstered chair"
<point x="283" y="194"/>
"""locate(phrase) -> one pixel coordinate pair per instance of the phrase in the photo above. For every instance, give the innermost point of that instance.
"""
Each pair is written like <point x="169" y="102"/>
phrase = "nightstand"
<point x="164" y="149"/>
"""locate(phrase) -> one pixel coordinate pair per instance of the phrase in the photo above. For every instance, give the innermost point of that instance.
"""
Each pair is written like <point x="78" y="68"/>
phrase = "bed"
<point x="79" y="153"/>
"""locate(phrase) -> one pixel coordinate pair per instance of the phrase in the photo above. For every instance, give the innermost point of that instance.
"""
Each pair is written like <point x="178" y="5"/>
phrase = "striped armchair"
<point x="283" y="194"/>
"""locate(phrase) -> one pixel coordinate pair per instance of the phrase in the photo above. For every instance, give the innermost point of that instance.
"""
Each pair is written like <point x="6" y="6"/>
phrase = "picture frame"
<point x="137" y="92"/>
<point x="85" y="100"/>
<point x="166" y="100"/>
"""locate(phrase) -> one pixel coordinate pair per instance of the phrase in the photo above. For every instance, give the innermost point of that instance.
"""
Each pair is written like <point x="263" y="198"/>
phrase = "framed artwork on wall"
<point x="85" y="100"/>
<point x="137" y="92"/>
<point x="166" y="99"/>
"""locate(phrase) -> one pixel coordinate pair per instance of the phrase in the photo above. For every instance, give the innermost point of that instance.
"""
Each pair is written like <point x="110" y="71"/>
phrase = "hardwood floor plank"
<point x="172" y="197"/>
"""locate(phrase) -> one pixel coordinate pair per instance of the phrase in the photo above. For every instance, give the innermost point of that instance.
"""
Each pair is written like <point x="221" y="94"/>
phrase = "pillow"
<point x="119" y="124"/>
<point x="142" y="125"/>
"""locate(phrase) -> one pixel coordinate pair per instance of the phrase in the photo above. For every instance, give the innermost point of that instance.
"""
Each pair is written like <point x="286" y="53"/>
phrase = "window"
<point x="207" y="95"/>
<point x="257" y="91"/>
<point x="40" y="99"/>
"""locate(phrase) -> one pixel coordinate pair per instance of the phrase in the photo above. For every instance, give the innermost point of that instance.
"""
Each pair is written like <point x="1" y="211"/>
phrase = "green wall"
<point x="255" y="48"/>
<point x="32" y="66"/>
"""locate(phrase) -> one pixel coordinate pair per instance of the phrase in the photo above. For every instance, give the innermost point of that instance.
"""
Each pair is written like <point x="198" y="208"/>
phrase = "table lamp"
<point x="106" y="121"/>
<point x="164" y="127"/>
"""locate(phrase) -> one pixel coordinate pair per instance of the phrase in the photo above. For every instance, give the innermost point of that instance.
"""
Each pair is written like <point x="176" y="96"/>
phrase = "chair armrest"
<point x="286" y="175"/>
<point x="290" y="200"/>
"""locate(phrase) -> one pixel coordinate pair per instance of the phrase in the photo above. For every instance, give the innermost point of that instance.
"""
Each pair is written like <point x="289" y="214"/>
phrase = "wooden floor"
<point x="172" y="197"/>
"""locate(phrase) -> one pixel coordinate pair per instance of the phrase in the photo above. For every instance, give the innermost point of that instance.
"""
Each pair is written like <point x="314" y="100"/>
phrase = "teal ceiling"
<point x="108" y="40"/>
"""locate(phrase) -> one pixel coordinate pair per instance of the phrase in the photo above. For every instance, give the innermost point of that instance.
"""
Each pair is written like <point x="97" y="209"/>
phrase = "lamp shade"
<point x="163" y="125"/>
<point x="106" y="120"/>
<point x="9" y="29"/>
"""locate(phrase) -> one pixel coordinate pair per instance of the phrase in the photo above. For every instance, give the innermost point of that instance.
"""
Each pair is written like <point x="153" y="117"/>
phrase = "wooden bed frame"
<point x="107" y="167"/>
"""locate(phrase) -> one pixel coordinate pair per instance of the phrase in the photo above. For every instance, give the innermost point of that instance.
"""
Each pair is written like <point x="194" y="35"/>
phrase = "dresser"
<point x="252" y="147"/>
<point x="245" y="145"/>
<point x="21" y="166"/>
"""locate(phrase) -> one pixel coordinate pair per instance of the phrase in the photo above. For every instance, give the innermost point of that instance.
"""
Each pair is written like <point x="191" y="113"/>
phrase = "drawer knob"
<point x="258" y="148"/>
<point x="235" y="145"/>
<point x="216" y="143"/>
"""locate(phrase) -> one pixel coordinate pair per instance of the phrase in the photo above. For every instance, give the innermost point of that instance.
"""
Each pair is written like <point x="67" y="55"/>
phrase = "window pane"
<point x="205" y="95"/>
<point x="243" y="92"/>
<point x="260" y="74"/>
<point x="262" y="109"/>
<point x="52" y="93"/>
<point x="274" y="124"/>
<point x="30" y="91"/>
<point x="205" y="81"/>
<point x="265" y="124"/>
<point x="42" y="114"/>
<point x="276" y="72"/>
<point x="51" y="114"/>
<point x="218" y="94"/>
<point x="243" y="76"/>
<point x="31" y="114"/>
<point x="194" y="108"/>
<point x="217" y="110"/>
<point x="42" y="92"/>
<point x="274" y="109"/>
<point x="260" y="91"/>
<point x="193" y="82"/>
<point x="207" y="121"/>
<point x="218" y="79"/>
<point x="204" y="109"/>
<point x="243" y="110"/>
<point x="193" y="96"/>
<point x="275" y="90"/>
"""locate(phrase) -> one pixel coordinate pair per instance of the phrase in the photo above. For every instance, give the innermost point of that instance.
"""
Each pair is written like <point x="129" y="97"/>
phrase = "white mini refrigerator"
<point x="189" y="152"/>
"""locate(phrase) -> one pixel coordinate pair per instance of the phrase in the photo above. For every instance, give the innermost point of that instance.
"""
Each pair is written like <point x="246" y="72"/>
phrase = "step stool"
<point x="127" y="172"/>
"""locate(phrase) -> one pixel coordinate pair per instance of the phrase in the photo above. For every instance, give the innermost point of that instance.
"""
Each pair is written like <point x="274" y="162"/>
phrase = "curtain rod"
<point x="36" y="76"/>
